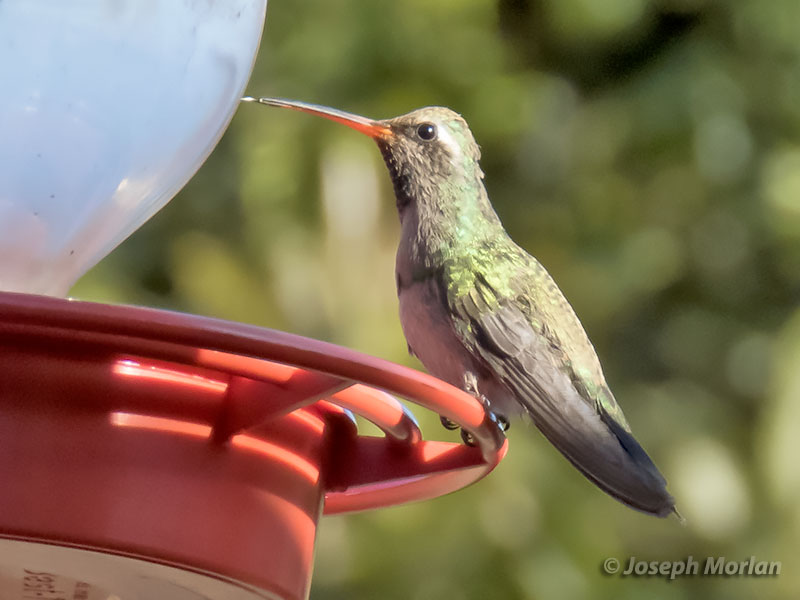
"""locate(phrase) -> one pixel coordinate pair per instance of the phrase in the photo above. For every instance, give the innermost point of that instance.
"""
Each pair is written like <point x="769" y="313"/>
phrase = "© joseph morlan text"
<point x="709" y="566"/>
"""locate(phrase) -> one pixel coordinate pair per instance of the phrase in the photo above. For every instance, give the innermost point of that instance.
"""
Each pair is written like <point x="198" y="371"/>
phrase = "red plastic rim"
<point x="223" y="362"/>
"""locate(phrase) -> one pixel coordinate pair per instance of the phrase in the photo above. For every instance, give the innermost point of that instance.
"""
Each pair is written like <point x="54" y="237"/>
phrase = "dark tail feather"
<point x="661" y="504"/>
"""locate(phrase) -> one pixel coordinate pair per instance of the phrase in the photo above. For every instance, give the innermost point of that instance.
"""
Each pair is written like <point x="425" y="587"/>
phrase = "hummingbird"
<point x="481" y="313"/>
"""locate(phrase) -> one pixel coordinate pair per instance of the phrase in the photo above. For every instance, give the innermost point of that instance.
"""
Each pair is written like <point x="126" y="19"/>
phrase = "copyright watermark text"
<point x="690" y="566"/>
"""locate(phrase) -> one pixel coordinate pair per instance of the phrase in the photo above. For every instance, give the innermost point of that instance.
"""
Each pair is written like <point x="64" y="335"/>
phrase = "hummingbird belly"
<point x="428" y="329"/>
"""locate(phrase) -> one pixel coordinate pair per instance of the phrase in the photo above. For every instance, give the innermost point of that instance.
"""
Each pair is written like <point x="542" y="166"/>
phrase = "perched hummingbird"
<point x="484" y="315"/>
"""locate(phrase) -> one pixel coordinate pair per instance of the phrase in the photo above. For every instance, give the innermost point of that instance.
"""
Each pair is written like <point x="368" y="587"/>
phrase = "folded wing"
<point x="578" y="415"/>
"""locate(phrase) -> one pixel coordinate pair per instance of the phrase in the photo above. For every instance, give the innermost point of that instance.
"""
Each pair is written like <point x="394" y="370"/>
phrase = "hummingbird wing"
<point x="515" y="321"/>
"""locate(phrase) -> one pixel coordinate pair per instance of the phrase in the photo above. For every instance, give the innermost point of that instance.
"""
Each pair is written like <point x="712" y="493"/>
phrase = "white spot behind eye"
<point x="446" y="138"/>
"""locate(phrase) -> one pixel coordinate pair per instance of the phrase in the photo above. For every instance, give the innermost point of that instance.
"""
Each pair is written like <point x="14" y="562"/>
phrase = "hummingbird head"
<point x="430" y="152"/>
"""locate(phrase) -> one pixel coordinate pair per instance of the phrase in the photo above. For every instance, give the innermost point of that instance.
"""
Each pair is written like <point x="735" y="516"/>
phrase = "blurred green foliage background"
<point x="647" y="152"/>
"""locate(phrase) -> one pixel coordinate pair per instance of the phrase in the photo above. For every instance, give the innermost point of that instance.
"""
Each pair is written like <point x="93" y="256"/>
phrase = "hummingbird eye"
<point x="426" y="131"/>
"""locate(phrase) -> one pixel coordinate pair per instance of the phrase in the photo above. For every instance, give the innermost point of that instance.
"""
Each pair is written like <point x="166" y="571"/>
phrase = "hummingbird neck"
<point x="458" y="216"/>
<point x="442" y="219"/>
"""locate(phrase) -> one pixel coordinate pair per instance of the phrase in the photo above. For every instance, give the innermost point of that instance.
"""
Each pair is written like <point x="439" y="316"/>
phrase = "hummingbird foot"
<point x="448" y="424"/>
<point x="502" y="422"/>
<point x="467" y="437"/>
<point x="471" y="387"/>
<point x="471" y="384"/>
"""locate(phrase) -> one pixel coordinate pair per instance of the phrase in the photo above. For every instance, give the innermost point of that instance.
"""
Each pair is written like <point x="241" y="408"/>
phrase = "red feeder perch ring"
<point x="147" y="453"/>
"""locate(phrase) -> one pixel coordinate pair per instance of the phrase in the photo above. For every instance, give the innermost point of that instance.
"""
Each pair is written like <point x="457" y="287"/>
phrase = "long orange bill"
<point x="370" y="127"/>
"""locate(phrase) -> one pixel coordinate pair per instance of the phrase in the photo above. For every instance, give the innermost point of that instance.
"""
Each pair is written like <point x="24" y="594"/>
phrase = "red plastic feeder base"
<point x="151" y="454"/>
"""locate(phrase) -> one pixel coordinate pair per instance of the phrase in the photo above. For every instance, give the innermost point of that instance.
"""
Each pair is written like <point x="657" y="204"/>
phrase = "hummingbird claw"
<point x="502" y="422"/>
<point x="466" y="436"/>
<point x="448" y="424"/>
